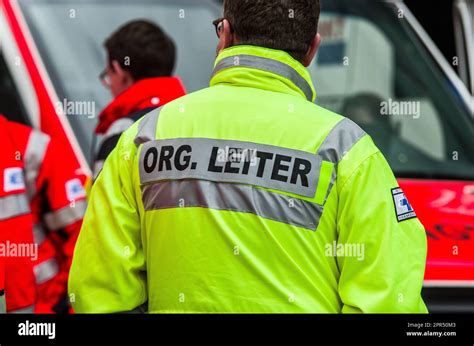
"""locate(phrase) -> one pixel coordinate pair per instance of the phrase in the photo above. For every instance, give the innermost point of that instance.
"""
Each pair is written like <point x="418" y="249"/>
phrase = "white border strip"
<point x="438" y="56"/>
<point x="466" y="23"/>
<point x="49" y="88"/>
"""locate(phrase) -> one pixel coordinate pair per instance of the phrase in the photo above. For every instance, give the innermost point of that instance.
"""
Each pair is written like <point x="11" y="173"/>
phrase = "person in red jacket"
<point x="141" y="60"/>
<point x="17" y="249"/>
<point x="57" y="198"/>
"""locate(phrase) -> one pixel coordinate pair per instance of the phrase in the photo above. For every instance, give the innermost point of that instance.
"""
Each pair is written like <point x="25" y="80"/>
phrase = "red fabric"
<point x="20" y="284"/>
<point x="149" y="92"/>
<point x="20" y="290"/>
<point x="56" y="170"/>
<point x="2" y="277"/>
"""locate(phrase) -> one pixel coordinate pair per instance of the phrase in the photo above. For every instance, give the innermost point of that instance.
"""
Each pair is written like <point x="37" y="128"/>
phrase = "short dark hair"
<point x="288" y="25"/>
<point x="143" y="49"/>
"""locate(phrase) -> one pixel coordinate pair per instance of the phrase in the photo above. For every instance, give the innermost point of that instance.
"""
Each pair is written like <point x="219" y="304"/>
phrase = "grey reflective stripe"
<point x="14" y="205"/>
<point x="232" y="197"/>
<point x="46" y="270"/>
<point x="147" y="127"/>
<point x="66" y="215"/>
<point x="27" y="310"/>
<point x="268" y="65"/>
<point x="338" y="143"/>
<point x="39" y="234"/>
<point x="340" y="140"/>
<point x="98" y="165"/>
<point x="217" y="160"/>
<point x="34" y="155"/>
<point x="118" y="127"/>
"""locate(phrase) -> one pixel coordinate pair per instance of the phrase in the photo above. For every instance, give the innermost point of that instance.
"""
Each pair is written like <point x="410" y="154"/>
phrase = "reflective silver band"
<point x="39" y="234"/>
<point x="218" y="160"/>
<point x="340" y="140"/>
<point x="117" y="128"/>
<point x="46" y="270"/>
<point x="268" y="65"/>
<point x="34" y="155"/>
<point x="147" y="127"/>
<point x="27" y="310"/>
<point x="66" y="215"/>
<point x="13" y="206"/>
<point x="232" y="197"/>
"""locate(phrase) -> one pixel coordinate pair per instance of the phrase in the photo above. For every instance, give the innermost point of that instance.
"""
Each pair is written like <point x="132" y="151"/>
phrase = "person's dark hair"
<point x="143" y="49"/>
<point x="288" y="25"/>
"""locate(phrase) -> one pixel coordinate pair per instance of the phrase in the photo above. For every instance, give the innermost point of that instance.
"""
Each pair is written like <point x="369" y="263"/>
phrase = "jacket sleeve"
<point x="387" y="276"/>
<point x="108" y="269"/>
<point x="19" y="276"/>
<point x="61" y="199"/>
<point x="63" y="185"/>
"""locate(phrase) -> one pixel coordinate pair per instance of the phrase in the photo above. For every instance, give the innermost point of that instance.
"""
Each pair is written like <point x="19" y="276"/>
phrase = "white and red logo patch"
<point x="13" y="179"/>
<point x="74" y="189"/>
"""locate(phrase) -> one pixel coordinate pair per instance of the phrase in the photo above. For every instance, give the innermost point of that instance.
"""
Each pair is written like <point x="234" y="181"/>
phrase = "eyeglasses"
<point x="219" y="24"/>
<point x="104" y="78"/>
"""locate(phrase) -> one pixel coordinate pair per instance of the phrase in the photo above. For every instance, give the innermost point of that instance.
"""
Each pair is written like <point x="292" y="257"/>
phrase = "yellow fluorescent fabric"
<point x="193" y="240"/>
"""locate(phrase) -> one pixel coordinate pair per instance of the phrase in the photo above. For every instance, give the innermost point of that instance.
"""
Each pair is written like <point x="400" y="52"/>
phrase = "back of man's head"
<point x="143" y="49"/>
<point x="288" y="25"/>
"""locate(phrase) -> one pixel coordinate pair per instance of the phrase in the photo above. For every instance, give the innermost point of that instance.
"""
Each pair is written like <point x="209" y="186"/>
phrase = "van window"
<point x="373" y="69"/>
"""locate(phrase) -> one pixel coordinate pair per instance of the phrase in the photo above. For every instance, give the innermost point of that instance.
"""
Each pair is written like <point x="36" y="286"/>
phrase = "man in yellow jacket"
<point x="248" y="197"/>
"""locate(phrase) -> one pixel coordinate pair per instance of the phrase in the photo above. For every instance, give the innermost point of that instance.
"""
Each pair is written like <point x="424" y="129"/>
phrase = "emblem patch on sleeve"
<point x="403" y="208"/>
<point x="13" y="179"/>
<point x="74" y="189"/>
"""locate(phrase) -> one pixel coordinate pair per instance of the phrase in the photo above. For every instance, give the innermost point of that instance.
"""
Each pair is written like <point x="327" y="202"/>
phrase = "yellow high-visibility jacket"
<point x="248" y="197"/>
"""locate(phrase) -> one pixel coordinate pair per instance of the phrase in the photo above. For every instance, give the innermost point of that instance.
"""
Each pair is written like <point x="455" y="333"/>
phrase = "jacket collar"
<point x="146" y="93"/>
<point x="273" y="70"/>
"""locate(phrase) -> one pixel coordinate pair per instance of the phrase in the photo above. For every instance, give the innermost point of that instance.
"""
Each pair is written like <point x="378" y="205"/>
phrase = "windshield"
<point x="371" y="67"/>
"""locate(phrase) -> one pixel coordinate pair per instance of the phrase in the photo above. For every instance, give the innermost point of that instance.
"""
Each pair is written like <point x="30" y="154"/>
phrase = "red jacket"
<point x="55" y="187"/>
<point x="16" y="224"/>
<point x="3" y="307"/>
<point x="141" y="98"/>
<point x="146" y="93"/>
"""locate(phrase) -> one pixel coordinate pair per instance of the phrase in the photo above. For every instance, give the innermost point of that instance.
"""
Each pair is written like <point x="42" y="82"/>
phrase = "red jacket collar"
<point x="146" y="93"/>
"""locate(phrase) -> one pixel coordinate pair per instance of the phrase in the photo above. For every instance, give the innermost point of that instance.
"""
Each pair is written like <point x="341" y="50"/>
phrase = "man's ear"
<point x="226" y="38"/>
<point x="313" y="49"/>
<point x="124" y="75"/>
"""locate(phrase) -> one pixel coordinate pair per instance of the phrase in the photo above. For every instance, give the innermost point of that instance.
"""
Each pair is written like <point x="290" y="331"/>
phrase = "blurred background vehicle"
<point x="453" y="35"/>
<point x="464" y="31"/>
<point x="374" y="54"/>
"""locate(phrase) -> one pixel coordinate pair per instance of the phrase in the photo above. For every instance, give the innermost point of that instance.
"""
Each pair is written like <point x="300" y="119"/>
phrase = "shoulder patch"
<point x="13" y="179"/>
<point x="403" y="209"/>
<point x="74" y="189"/>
